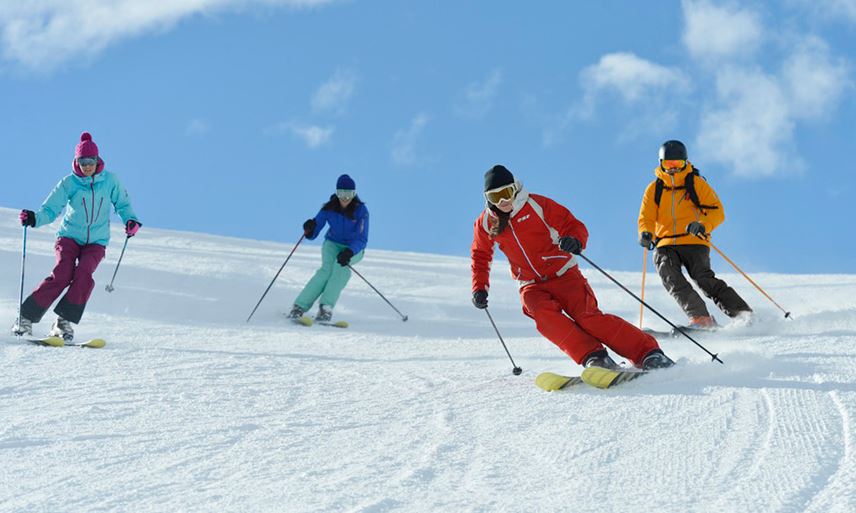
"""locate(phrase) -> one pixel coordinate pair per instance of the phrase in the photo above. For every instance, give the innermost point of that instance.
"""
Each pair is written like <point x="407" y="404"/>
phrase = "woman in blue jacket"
<point x="344" y="245"/>
<point x="86" y="195"/>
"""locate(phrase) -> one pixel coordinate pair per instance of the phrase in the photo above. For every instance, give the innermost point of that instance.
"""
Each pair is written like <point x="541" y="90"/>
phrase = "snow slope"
<point x="189" y="408"/>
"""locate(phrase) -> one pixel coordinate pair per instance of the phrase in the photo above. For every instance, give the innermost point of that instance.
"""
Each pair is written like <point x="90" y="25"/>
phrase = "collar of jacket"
<point x="680" y="177"/>
<point x="517" y="203"/>
<point x="87" y="180"/>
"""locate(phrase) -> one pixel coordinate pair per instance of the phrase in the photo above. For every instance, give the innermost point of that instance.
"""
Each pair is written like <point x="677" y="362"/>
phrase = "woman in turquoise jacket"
<point x="87" y="195"/>
<point x="344" y="245"/>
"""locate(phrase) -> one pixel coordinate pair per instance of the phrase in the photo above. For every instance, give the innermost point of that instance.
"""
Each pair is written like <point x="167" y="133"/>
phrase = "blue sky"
<point x="236" y="117"/>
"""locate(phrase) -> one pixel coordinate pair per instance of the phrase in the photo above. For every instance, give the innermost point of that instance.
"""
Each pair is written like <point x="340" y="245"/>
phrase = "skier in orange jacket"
<point x="540" y="238"/>
<point x="679" y="211"/>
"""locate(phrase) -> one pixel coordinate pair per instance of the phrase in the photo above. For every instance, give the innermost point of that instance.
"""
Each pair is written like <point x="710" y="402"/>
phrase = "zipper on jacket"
<point x="674" y="219"/>
<point x="91" y="219"/>
<point x="100" y="203"/>
<point x="511" y="225"/>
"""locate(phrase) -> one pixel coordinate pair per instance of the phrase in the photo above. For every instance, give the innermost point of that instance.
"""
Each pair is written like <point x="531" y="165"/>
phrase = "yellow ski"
<point x="304" y="320"/>
<point x="95" y="343"/>
<point x="604" y="378"/>
<point x="336" y="324"/>
<point x="595" y="376"/>
<point x="551" y="382"/>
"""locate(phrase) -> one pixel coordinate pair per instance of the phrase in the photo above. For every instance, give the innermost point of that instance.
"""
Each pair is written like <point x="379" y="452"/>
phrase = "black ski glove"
<point x="344" y="257"/>
<point x="28" y="218"/>
<point x="480" y="299"/>
<point x="646" y="240"/>
<point x="309" y="227"/>
<point x="695" y="228"/>
<point x="571" y="245"/>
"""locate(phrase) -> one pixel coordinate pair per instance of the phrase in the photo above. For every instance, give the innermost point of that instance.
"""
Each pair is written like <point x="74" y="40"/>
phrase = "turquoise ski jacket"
<point x="87" y="202"/>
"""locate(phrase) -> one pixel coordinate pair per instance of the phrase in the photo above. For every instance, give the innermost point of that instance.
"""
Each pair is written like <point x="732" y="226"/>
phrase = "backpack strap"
<point x="658" y="191"/>
<point x="689" y="186"/>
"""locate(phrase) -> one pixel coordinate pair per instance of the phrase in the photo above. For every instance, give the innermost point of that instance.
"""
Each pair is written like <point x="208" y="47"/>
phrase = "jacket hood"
<point x="78" y="172"/>
<point x="679" y="177"/>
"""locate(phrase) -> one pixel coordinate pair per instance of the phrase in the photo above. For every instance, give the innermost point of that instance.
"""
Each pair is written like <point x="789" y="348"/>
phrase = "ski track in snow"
<point x="189" y="408"/>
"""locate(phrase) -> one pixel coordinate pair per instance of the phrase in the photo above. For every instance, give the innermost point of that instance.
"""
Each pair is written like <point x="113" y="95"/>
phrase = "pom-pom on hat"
<point x="346" y="182"/>
<point x="86" y="147"/>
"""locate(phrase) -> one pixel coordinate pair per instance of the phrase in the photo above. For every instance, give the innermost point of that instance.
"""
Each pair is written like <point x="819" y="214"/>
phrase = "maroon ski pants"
<point x="74" y="267"/>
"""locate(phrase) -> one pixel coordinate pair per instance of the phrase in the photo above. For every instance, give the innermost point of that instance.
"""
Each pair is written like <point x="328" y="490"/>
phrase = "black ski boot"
<point x="656" y="360"/>
<point x="325" y="313"/>
<point x="296" y="312"/>
<point x="600" y="359"/>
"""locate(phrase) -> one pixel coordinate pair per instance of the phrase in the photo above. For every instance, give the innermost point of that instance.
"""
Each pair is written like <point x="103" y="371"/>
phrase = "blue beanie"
<point x="346" y="182"/>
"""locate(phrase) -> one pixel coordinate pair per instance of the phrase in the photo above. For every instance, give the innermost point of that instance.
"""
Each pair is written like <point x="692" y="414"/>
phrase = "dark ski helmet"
<point x="673" y="150"/>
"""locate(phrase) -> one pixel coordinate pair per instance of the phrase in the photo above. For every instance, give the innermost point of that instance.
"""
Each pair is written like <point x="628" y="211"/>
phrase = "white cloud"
<point x="334" y="94"/>
<point x="42" y="34"/>
<point x="832" y="10"/>
<point x="813" y="79"/>
<point x="751" y="125"/>
<point x="632" y="77"/>
<point x="313" y="136"/>
<point x="720" y="31"/>
<point x="751" y="128"/>
<point x="197" y="127"/>
<point x="404" y="141"/>
<point x="478" y="96"/>
<point x="653" y="89"/>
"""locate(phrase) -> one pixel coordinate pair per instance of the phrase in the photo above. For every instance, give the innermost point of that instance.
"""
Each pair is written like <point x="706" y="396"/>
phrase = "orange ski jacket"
<point x="668" y="221"/>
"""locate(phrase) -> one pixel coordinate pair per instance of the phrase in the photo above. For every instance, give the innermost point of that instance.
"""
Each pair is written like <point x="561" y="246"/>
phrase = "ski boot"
<point x="703" y="322"/>
<point x="22" y="326"/>
<point x="295" y="313"/>
<point x="601" y="359"/>
<point x="656" y="360"/>
<point x="62" y="328"/>
<point x="325" y="313"/>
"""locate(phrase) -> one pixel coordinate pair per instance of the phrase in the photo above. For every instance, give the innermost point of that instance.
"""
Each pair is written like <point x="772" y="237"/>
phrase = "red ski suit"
<point x="553" y="291"/>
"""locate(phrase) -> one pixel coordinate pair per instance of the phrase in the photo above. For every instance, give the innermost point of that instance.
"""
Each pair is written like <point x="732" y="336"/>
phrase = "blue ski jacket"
<point x="353" y="233"/>
<point x="87" y="201"/>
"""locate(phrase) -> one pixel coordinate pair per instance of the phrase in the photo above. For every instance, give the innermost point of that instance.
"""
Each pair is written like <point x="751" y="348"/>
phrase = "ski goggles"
<point x="506" y="192"/>
<point x="345" y="194"/>
<point x="674" y="164"/>
<point x="87" y="161"/>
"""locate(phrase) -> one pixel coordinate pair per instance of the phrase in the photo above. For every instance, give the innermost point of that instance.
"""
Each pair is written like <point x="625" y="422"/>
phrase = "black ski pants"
<point x="669" y="261"/>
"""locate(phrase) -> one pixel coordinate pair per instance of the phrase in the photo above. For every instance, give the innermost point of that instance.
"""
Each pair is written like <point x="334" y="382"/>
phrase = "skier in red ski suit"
<point x="540" y="238"/>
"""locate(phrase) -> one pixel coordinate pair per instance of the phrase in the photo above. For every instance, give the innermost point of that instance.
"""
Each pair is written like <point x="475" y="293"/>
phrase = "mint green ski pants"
<point x="328" y="281"/>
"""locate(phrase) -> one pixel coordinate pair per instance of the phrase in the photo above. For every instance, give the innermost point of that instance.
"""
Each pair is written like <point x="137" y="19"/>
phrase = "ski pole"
<point x="515" y="369"/>
<point x="714" y="357"/>
<point x="23" y="266"/>
<point x="109" y="288"/>
<point x="787" y="314"/>
<point x="644" y="271"/>
<point x="275" y="277"/>
<point x="403" y="317"/>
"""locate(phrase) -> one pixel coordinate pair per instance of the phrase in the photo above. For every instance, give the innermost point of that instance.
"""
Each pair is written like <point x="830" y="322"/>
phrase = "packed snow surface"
<point x="190" y="408"/>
